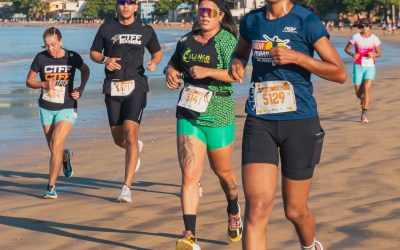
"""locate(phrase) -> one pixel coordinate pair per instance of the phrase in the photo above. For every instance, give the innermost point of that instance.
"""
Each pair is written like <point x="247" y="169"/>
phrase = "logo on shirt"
<point x="127" y="39"/>
<point x="60" y="73"/>
<point x="188" y="56"/>
<point x="261" y="48"/>
<point x="290" y="29"/>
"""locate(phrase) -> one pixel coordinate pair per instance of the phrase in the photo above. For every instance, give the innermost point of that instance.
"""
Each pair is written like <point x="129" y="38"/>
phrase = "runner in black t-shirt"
<point x="58" y="99"/>
<point x="120" y="45"/>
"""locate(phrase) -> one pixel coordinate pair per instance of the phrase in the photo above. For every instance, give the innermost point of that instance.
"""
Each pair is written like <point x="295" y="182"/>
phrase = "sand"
<point x="355" y="192"/>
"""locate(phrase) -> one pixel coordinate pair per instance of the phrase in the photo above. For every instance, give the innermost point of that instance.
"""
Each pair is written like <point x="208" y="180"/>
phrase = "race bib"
<point x="55" y="95"/>
<point x="273" y="97"/>
<point x="367" y="61"/>
<point x="195" y="98"/>
<point x="122" y="88"/>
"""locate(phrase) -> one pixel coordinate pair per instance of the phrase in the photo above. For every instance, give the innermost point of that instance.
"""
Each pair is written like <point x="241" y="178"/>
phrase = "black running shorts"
<point x="121" y="108"/>
<point x="298" y="142"/>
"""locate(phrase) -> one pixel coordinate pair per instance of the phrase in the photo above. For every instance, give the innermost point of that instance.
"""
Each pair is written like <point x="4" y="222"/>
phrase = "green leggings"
<point x="213" y="137"/>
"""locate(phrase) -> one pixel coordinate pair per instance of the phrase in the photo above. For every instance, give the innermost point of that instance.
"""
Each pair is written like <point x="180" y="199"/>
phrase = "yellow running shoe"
<point x="188" y="242"/>
<point x="235" y="227"/>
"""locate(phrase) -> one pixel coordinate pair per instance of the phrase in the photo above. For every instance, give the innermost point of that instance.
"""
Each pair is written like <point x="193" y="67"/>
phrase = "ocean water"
<point x="18" y="108"/>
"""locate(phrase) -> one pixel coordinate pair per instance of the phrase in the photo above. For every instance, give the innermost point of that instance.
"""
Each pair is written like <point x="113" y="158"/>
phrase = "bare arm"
<point x="239" y="59"/>
<point x="154" y="61"/>
<point x="331" y="67"/>
<point x="110" y="62"/>
<point x="198" y="72"/>
<point x="31" y="81"/>
<point x="85" y="72"/>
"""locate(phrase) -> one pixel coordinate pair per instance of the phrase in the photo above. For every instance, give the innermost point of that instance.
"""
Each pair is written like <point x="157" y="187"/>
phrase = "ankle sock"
<point x="233" y="207"/>
<point x="190" y="222"/>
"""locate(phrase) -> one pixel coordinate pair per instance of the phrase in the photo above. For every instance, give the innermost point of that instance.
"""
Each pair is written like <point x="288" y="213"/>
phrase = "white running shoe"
<point x="125" y="195"/>
<point x="140" y="144"/>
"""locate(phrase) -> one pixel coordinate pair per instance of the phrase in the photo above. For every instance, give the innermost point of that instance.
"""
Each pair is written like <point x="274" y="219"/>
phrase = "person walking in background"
<point x="58" y="105"/>
<point x="367" y="48"/>
<point x="206" y="113"/>
<point x="282" y="118"/>
<point x="119" y="45"/>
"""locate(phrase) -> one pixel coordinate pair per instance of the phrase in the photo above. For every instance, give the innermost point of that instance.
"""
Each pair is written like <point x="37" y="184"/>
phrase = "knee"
<point x="258" y="211"/>
<point x="56" y="146"/>
<point x="296" y="214"/>
<point x="131" y="139"/>
<point x="119" y="142"/>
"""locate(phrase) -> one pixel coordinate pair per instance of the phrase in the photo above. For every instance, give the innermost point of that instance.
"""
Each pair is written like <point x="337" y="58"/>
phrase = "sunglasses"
<point x="128" y="2"/>
<point x="363" y="25"/>
<point x="210" y="12"/>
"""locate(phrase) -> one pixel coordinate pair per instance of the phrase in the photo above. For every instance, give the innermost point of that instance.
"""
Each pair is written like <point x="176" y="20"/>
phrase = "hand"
<point x="282" y="56"/>
<point x="198" y="72"/>
<point x="172" y="78"/>
<point x="76" y="93"/>
<point x="112" y="63"/>
<point x="50" y="84"/>
<point x="356" y="56"/>
<point x="152" y="66"/>
<point x="236" y="70"/>
<point x="371" y="54"/>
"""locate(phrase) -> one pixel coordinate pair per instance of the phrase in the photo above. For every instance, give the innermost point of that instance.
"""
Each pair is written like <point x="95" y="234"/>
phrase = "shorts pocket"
<point x="318" y="142"/>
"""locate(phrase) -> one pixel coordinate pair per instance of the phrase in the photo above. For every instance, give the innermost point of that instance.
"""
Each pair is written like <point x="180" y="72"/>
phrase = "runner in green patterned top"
<point x="206" y="113"/>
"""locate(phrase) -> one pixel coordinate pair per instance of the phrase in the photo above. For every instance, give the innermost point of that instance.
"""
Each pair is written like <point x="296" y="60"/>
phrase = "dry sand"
<point x="355" y="193"/>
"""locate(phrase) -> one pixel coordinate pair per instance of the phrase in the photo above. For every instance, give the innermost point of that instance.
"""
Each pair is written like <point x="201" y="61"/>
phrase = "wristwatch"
<point x="103" y="60"/>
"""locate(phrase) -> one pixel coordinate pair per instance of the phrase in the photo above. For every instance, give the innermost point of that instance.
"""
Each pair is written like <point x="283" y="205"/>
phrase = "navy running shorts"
<point x="121" y="108"/>
<point x="297" y="142"/>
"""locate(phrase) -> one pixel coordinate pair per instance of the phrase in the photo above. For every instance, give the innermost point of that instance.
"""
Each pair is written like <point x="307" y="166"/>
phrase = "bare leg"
<point x="367" y="93"/>
<point x="126" y="136"/>
<point x="191" y="153"/>
<point x="56" y="134"/>
<point x="221" y="164"/>
<point x="295" y="198"/>
<point x="259" y="183"/>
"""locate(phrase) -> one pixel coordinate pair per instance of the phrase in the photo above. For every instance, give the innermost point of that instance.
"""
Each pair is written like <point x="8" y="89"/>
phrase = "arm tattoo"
<point x="185" y="151"/>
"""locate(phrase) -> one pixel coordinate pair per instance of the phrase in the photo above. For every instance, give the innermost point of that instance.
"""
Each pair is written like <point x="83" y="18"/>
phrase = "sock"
<point x="312" y="247"/>
<point x="50" y="186"/>
<point x="190" y="222"/>
<point x="233" y="207"/>
<point x="364" y="111"/>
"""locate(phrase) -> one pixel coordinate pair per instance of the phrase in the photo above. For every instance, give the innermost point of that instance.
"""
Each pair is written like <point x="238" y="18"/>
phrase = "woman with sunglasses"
<point x="282" y="119"/>
<point x="206" y="113"/>
<point x="120" y="45"/>
<point x="367" y="48"/>
<point x="58" y="105"/>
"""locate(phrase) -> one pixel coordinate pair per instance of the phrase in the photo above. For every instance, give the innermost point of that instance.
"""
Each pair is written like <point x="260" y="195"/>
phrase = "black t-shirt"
<point x="127" y="42"/>
<point x="61" y="69"/>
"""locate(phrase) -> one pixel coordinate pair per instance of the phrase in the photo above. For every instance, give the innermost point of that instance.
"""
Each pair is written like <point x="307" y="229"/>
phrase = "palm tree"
<point x="36" y="8"/>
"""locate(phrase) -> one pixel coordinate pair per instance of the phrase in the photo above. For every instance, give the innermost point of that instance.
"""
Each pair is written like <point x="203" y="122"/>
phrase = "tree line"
<point x="104" y="9"/>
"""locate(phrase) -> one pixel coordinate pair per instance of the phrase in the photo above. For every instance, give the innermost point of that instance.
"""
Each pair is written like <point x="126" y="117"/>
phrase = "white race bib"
<point x="195" y="98"/>
<point x="55" y="95"/>
<point x="122" y="88"/>
<point x="367" y="61"/>
<point x="273" y="97"/>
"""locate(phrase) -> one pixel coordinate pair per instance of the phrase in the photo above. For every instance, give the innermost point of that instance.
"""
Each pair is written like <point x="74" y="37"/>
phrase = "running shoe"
<point x="235" y="227"/>
<point x="187" y="242"/>
<point x="140" y="144"/>
<point x="125" y="195"/>
<point x="318" y="245"/>
<point x="50" y="192"/>
<point x="67" y="166"/>
<point x="364" y="118"/>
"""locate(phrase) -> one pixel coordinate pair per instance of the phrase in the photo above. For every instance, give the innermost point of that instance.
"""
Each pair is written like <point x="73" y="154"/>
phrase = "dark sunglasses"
<point x="210" y="12"/>
<point x="128" y="2"/>
<point x="363" y="25"/>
